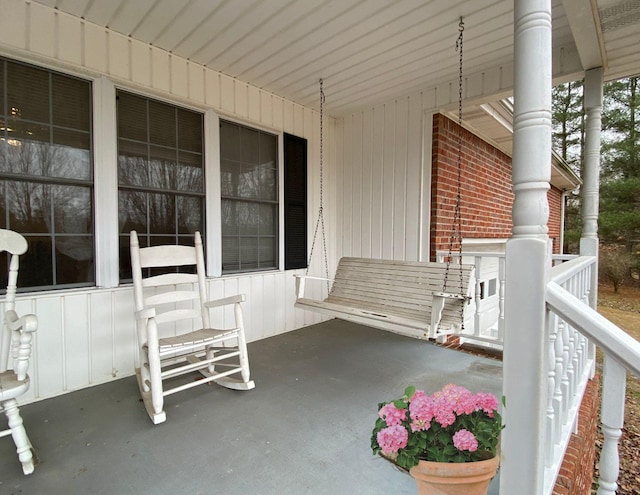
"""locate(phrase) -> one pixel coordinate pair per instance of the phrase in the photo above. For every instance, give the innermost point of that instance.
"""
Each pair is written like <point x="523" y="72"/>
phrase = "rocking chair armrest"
<point x="25" y="323"/>
<point x="225" y="301"/>
<point x="145" y="314"/>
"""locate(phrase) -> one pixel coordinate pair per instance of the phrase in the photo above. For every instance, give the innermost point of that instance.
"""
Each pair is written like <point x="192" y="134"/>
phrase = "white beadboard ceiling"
<point x="367" y="51"/>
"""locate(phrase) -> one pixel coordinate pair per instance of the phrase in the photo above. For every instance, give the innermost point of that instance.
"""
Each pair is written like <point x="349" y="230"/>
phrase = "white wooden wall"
<point x="86" y="337"/>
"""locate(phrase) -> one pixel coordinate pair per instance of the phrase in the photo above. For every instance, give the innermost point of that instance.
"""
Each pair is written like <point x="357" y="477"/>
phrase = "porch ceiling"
<point x="368" y="51"/>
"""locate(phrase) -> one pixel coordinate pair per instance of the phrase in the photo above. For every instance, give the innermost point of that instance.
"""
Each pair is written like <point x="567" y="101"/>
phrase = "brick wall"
<point x="576" y="472"/>
<point x="486" y="195"/>
<point x="554" y="196"/>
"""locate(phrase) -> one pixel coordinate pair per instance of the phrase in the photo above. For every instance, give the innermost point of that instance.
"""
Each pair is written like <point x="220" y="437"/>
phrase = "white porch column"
<point x="528" y="254"/>
<point x="591" y="181"/>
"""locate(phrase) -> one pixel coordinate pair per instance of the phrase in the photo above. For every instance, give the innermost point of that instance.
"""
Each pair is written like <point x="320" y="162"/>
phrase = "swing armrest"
<point x="301" y="282"/>
<point x="449" y="295"/>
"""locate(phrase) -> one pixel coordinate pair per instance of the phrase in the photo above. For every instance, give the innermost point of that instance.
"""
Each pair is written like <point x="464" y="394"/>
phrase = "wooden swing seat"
<point x="401" y="296"/>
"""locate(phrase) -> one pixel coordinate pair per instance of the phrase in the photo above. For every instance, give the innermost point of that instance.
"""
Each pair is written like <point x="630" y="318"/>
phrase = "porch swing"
<point x="408" y="297"/>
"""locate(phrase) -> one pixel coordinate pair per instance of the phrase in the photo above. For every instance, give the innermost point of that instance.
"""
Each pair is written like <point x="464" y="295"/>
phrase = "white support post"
<point x="591" y="181"/>
<point x="528" y="255"/>
<point x="589" y="241"/>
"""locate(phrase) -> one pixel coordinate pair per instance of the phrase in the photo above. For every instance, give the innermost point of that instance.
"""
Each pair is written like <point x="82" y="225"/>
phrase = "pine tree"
<point x="568" y="141"/>
<point x="619" y="220"/>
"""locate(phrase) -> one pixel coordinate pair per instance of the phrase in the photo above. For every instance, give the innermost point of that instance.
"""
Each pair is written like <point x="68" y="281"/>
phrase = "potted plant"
<point x="449" y="438"/>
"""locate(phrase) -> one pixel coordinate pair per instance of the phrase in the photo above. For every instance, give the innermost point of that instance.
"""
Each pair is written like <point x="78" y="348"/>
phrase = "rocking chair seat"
<point x="197" y="338"/>
<point x="11" y="387"/>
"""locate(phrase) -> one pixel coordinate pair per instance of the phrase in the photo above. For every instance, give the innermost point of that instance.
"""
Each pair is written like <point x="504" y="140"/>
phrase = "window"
<point x="160" y="174"/>
<point x="249" y="198"/>
<point x="488" y="288"/>
<point x="493" y="287"/>
<point x="295" y="202"/>
<point x="46" y="174"/>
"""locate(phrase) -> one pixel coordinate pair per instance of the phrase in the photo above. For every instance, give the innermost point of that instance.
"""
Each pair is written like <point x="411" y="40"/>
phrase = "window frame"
<point x="149" y="189"/>
<point x="89" y="183"/>
<point x="215" y="201"/>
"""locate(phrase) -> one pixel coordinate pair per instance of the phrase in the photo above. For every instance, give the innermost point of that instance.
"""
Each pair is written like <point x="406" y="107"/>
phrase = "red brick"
<point x="486" y="188"/>
<point x="573" y="478"/>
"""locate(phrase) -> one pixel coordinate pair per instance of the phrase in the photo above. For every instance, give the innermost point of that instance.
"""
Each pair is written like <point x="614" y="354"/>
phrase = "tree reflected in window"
<point x="249" y="188"/>
<point x="46" y="178"/>
<point x="160" y="174"/>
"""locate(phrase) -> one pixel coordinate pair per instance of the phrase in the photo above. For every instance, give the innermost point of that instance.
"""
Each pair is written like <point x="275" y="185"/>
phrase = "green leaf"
<point x="400" y="404"/>
<point x="409" y="391"/>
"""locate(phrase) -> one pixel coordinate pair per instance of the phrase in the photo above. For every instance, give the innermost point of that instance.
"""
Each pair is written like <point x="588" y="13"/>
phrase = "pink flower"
<point x="392" y="438"/>
<point x="465" y="440"/>
<point x="486" y="402"/>
<point x="421" y="408"/>
<point x="392" y="415"/>
<point x="417" y="394"/>
<point x="443" y="410"/>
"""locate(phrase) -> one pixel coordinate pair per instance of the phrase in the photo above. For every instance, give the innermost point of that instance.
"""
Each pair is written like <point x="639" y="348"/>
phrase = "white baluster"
<point x="575" y="362"/>
<point x="551" y="387"/>
<point x="501" y="278"/>
<point x="478" y="300"/>
<point x="557" y="393"/>
<point x="613" y="396"/>
<point x="566" y="360"/>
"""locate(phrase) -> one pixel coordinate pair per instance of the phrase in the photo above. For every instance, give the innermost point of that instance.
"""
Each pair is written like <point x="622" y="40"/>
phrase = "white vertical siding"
<point x="382" y="179"/>
<point x="388" y="202"/>
<point x="377" y="159"/>
<point x="87" y="337"/>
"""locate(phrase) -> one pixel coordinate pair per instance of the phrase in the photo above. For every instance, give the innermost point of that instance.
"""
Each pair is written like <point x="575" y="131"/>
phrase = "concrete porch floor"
<point x="304" y="429"/>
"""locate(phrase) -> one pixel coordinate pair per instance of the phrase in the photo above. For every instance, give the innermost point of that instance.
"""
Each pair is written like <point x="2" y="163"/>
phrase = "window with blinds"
<point x="160" y="174"/>
<point x="249" y="198"/>
<point x="46" y="174"/>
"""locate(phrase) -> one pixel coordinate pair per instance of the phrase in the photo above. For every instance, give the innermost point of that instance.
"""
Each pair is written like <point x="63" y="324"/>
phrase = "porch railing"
<point x="484" y="317"/>
<point x="571" y="359"/>
<point x="574" y="328"/>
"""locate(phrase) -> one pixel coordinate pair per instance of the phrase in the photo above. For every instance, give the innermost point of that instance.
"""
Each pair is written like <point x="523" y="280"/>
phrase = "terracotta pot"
<point x="454" y="478"/>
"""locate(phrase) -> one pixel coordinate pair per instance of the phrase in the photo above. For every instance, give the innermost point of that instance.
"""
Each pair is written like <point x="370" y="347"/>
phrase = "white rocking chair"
<point x="15" y="351"/>
<point x="177" y="303"/>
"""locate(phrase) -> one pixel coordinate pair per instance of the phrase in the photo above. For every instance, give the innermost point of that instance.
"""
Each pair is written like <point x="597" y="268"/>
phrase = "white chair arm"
<point x="145" y="314"/>
<point x="225" y="301"/>
<point x="26" y="323"/>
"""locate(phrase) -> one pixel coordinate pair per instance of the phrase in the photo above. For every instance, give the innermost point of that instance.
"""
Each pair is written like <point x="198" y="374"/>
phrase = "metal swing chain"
<point x="456" y="228"/>
<point x="320" y="220"/>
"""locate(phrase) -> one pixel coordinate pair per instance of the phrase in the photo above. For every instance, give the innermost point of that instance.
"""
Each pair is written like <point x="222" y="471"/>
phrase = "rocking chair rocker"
<point x="177" y="300"/>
